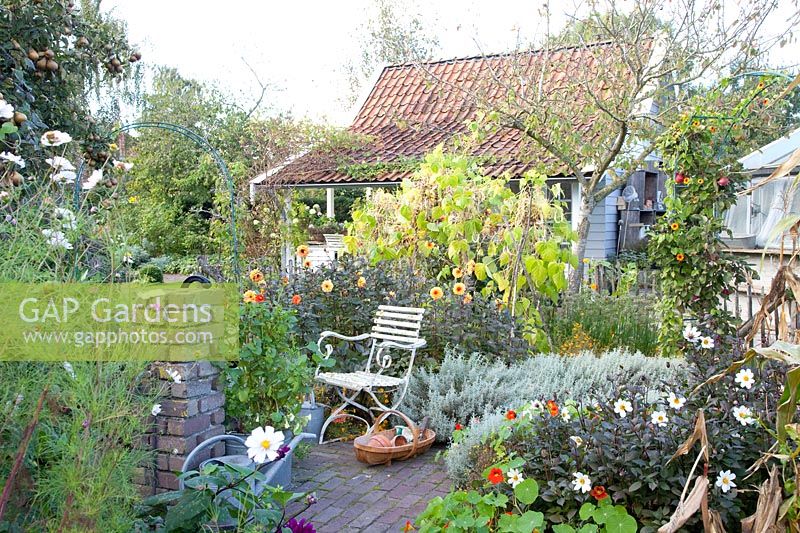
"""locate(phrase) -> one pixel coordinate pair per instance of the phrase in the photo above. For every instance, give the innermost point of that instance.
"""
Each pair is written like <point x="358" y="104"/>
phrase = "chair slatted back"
<point x="398" y="324"/>
<point x="334" y="240"/>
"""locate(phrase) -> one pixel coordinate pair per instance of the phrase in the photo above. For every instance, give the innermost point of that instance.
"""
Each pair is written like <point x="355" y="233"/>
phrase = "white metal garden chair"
<point x="396" y="328"/>
<point x="334" y="244"/>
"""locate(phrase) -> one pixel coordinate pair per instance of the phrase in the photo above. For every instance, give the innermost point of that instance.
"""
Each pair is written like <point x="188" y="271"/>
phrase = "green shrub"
<point x="135" y="256"/>
<point x="629" y="456"/>
<point x="511" y="508"/>
<point x="183" y="264"/>
<point x="468" y="387"/>
<point x="610" y="322"/>
<point x="350" y="310"/>
<point x="267" y="384"/>
<point x="150" y="274"/>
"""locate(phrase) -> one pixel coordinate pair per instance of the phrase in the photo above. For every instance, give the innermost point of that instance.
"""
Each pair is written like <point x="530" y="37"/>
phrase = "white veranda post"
<point x="330" y="212"/>
<point x="395" y="328"/>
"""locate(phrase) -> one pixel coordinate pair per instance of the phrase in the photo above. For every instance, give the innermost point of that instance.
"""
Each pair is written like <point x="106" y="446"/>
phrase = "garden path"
<point x="352" y="496"/>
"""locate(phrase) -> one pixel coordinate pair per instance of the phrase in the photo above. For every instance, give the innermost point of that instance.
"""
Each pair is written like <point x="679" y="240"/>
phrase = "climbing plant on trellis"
<point x="202" y="143"/>
<point x="700" y="152"/>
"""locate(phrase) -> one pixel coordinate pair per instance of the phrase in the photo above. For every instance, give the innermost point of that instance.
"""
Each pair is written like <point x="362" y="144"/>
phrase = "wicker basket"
<point x="378" y="455"/>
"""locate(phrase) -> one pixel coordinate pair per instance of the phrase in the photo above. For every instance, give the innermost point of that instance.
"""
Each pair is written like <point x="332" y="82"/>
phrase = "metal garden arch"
<point x="201" y="142"/>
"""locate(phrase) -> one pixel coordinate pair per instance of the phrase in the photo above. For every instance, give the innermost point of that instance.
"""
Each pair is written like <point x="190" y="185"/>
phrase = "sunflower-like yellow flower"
<point x="459" y="289"/>
<point x="249" y="297"/>
<point x="361" y="283"/>
<point x="256" y="276"/>
<point x="467" y="298"/>
<point x="457" y="272"/>
<point x="437" y="293"/>
<point x="327" y="286"/>
<point x="303" y="250"/>
<point x="470" y="268"/>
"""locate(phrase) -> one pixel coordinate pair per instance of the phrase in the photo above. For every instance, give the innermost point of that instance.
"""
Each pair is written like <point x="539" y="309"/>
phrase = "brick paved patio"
<point x="355" y="497"/>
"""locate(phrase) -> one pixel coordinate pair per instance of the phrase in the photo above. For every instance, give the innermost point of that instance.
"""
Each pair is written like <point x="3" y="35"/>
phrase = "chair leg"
<point x="338" y="412"/>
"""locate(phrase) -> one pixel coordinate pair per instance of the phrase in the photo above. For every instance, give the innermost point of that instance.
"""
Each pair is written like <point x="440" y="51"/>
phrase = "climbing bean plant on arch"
<point x="700" y="151"/>
<point x="472" y="233"/>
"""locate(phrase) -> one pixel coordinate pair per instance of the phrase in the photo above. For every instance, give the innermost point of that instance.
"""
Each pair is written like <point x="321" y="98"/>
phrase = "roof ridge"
<point x="501" y="54"/>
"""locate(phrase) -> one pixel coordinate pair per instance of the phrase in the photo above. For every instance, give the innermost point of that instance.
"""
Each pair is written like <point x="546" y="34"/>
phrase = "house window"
<point x="564" y="196"/>
<point x="759" y="214"/>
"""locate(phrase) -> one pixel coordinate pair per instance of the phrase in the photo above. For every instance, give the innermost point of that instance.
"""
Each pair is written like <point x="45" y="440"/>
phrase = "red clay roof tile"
<point x="413" y="108"/>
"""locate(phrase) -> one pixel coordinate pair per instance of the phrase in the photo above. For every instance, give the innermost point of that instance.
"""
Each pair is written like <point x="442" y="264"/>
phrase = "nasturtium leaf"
<point x="586" y="511"/>
<point x="529" y="521"/>
<point x="527" y="491"/>
<point x="620" y="524"/>
<point x="473" y="497"/>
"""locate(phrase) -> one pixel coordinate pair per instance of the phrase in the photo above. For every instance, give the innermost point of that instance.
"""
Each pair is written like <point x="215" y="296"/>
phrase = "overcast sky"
<point x="300" y="47"/>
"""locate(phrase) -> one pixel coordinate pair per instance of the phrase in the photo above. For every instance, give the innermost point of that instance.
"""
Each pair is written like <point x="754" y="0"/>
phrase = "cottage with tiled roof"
<point x="414" y="107"/>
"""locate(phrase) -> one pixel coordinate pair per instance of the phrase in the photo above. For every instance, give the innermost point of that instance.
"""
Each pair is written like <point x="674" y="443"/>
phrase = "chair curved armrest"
<point x="328" y="351"/>
<point x="326" y="334"/>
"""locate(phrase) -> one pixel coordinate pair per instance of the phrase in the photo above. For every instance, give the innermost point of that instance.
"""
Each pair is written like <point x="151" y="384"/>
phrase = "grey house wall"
<point x="602" y="241"/>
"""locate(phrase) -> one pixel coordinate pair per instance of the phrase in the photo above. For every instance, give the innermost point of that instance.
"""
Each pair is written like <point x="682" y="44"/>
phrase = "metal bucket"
<point x="317" y="413"/>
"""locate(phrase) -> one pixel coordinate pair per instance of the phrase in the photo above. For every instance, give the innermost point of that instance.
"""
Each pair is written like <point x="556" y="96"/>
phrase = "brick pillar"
<point x="191" y="412"/>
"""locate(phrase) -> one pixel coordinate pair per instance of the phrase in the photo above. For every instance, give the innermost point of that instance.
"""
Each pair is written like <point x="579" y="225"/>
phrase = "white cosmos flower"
<point x="745" y="378"/>
<point x="68" y="367"/>
<point x="57" y="238"/>
<point x="66" y="176"/>
<point x="581" y="483"/>
<point x="514" y="477"/>
<point x="156" y="409"/>
<point x="622" y="407"/>
<point x="13" y="158"/>
<point x="122" y="165"/>
<point x="4" y="195"/>
<point x="66" y="217"/>
<point x="60" y="163"/>
<point x="691" y="333"/>
<point x="725" y="480"/>
<point x="577" y="440"/>
<point x="707" y="343"/>
<point x="55" y="138"/>
<point x="659" y="418"/>
<point x="565" y="416"/>
<point x="95" y="178"/>
<point x="744" y="415"/>
<point x="263" y="444"/>
<point x="174" y="374"/>
<point x="6" y="110"/>
<point x="676" y="402"/>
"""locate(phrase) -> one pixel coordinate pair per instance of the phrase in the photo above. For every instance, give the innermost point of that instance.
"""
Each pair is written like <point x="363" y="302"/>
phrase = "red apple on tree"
<point x="679" y="178"/>
<point x="724" y="181"/>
